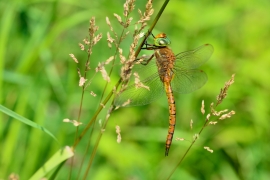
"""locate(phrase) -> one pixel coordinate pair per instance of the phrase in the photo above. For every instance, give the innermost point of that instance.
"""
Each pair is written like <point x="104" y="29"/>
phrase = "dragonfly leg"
<point x="147" y="45"/>
<point x="145" y="59"/>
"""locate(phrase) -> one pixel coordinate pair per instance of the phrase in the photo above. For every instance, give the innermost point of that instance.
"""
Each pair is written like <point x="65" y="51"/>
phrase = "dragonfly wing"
<point x="194" y="58"/>
<point x="186" y="77"/>
<point x="142" y="95"/>
<point x="186" y="81"/>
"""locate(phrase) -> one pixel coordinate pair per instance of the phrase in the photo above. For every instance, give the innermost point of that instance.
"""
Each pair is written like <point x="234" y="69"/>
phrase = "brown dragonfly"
<point x="168" y="73"/>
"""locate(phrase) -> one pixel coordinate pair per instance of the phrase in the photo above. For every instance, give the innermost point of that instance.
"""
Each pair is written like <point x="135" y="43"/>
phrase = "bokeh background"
<point x="39" y="80"/>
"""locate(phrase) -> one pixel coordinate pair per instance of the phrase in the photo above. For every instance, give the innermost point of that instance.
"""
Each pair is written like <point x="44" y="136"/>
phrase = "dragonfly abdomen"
<point x="172" y="116"/>
<point x="165" y="62"/>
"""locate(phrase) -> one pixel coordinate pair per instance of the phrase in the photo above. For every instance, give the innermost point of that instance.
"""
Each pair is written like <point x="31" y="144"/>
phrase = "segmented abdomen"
<point x="172" y="116"/>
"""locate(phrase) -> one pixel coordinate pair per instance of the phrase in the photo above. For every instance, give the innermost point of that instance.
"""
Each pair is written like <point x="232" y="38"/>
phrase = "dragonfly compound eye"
<point x="162" y="42"/>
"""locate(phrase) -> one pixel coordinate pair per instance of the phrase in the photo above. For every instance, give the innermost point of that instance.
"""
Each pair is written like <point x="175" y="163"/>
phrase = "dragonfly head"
<point x="161" y="40"/>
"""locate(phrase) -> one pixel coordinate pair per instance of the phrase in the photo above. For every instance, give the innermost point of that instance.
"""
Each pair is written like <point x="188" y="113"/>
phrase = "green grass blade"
<point x="25" y="120"/>
<point x="60" y="156"/>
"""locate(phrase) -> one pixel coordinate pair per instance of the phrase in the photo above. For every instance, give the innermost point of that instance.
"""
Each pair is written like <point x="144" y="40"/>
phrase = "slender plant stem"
<point x="192" y="143"/>
<point x="152" y="27"/>
<point x="102" y="94"/>
<point x="96" y="144"/>
<point x="113" y="62"/>
<point x="80" y="110"/>
<point x="95" y="115"/>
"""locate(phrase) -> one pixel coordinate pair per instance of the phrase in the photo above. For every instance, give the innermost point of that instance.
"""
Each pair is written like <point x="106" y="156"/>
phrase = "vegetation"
<point x="40" y="81"/>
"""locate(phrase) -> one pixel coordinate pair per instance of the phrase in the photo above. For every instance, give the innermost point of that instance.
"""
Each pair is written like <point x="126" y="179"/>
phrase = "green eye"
<point x="161" y="42"/>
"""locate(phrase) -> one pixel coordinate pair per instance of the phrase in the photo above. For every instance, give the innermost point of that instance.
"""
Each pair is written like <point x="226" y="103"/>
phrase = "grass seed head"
<point x="82" y="81"/>
<point x="208" y="149"/>
<point x="81" y="46"/>
<point x="202" y="108"/>
<point x="223" y="91"/>
<point x="74" y="58"/>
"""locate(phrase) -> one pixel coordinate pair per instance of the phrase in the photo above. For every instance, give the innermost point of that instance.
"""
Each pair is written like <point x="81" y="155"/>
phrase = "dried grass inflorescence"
<point x="196" y="136"/>
<point x="129" y="62"/>
<point x="82" y="81"/>
<point x="88" y="42"/>
<point x="122" y="57"/>
<point x="116" y="40"/>
<point x="179" y="139"/>
<point x="202" y="108"/>
<point x="129" y="6"/>
<point x="208" y="149"/>
<point x="223" y="91"/>
<point x="103" y="71"/>
<point x="74" y="58"/>
<point x="93" y="94"/>
<point x="81" y="46"/>
<point x="219" y="115"/>
<point x="93" y="39"/>
<point x="118" y="130"/>
<point x="110" y="40"/>
<point x="228" y="115"/>
<point x="13" y="176"/>
<point x="213" y="122"/>
<point x="222" y="114"/>
<point x="191" y="124"/>
<point x="74" y="122"/>
<point x="147" y="14"/>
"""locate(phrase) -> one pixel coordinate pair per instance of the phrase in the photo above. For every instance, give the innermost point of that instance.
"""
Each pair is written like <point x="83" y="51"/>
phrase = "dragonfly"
<point x="165" y="73"/>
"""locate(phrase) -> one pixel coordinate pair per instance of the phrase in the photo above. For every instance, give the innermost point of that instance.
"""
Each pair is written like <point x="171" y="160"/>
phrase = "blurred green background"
<point x="39" y="80"/>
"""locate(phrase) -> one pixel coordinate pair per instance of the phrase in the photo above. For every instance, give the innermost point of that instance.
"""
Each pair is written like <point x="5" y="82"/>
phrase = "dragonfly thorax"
<point x="165" y="62"/>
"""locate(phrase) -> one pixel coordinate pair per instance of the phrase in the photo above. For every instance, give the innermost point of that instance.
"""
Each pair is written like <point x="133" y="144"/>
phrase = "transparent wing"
<point x="188" y="81"/>
<point x="194" y="58"/>
<point x="141" y="96"/>
<point x="186" y="77"/>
